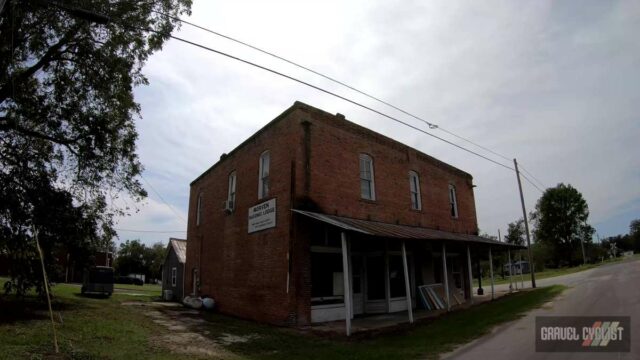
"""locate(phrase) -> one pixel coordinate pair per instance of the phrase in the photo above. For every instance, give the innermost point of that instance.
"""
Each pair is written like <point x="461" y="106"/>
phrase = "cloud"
<point x="554" y="84"/>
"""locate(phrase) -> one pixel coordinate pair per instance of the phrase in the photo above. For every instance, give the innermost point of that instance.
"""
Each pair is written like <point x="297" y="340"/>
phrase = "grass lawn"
<point x="98" y="328"/>
<point x="91" y="327"/>
<point x="152" y="289"/>
<point x="547" y="273"/>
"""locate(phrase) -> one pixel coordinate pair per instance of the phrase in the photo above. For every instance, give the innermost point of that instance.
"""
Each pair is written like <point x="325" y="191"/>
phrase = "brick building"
<point x="273" y="224"/>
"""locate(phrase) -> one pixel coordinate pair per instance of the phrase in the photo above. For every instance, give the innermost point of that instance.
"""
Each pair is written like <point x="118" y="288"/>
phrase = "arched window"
<point x="367" y="182"/>
<point x="414" y="190"/>
<point x="231" y="196"/>
<point x="453" y="201"/>
<point x="263" y="180"/>
<point x="199" y="210"/>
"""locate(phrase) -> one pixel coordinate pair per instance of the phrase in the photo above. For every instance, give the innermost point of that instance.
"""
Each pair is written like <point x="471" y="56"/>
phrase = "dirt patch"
<point x="229" y="339"/>
<point x="185" y="336"/>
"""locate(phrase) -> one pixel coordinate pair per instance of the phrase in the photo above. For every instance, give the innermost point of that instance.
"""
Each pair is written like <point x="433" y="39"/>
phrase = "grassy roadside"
<point x="97" y="328"/>
<point x="422" y="340"/>
<point x="548" y="273"/>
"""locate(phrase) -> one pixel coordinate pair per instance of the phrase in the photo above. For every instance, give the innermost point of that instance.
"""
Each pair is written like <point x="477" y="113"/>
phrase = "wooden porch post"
<point x="470" y="274"/>
<point x="446" y="276"/>
<point x="491" y="273"/>
<point x="387" y="282"/>
<point x="347" y="287"/>
<point x="350" y="277"/>
<point x="510" y="270"/>
<point x="407" y="286"/>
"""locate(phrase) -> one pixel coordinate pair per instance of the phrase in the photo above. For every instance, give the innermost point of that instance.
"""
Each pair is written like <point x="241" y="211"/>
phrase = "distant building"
<point x="173" y="268"/>
<point x="275" y="224"/>
<point x="517" y="267"/>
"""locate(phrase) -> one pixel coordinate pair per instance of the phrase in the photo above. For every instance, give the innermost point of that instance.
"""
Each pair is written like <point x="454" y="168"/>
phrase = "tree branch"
<point x="5" y="91"/>
<point x="9" y="125"/>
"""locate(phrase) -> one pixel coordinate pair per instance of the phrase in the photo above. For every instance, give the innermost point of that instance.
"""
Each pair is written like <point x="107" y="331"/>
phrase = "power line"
<point x="152" y="231"/>
<point x="532" y="183"/>
<point x="321" y="90"/>
<point x="332" y="79"/>
<point x="533" y="177"/>
<point x="163" y="200"/>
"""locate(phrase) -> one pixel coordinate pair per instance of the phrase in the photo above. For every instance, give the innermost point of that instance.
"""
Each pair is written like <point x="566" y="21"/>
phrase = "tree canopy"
<point x="516" y="233"/>
<point x="560" y="218"/>
<point x="67" y="121"/>
<point x="135" y="257"/>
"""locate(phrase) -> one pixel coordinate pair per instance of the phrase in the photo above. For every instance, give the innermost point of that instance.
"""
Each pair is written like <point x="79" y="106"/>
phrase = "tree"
<point x="134" y="257"/>
<point x="634" y="234"/>
<point x="516" y="233"/>
<point x="560" y="219"/>
<point x="155" y="256"/>
<point x="67" y="122"/>
<point x="131" y="258"/>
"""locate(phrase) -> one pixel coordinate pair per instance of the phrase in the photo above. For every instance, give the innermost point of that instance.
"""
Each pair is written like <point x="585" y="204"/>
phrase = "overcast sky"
<point x="555" y="84"/>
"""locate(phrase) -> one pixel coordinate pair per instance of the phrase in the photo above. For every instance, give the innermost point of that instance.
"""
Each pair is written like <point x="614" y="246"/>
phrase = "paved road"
<point x="607" y="290"/>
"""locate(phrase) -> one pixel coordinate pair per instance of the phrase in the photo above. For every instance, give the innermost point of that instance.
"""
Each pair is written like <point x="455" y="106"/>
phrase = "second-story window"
<point x="453" y="201"/>
<point x="231" y="196"/>
<point x="199" y="210"/>
<point x="367" y="183"/>
<point x="263" y="181"/>
<point x="414" y="189"/>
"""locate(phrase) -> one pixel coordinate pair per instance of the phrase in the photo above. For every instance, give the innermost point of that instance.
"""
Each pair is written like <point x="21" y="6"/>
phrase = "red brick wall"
<point x="247" y="273"/>
<point x="335" y="178"/>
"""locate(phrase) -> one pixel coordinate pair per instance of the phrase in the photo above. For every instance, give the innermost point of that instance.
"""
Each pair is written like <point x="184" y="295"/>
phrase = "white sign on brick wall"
<point x="262" y="216"/>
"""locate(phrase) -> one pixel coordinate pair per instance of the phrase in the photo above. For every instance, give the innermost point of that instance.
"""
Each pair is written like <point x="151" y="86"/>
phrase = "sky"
<point x="554" y="84"/>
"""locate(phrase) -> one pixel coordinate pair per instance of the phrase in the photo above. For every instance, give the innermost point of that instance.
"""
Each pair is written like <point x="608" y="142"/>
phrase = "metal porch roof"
<point x="394" y="231"/>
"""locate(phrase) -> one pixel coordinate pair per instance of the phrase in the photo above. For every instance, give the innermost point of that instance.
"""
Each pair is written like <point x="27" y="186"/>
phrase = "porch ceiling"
<point x="394" y="231"/>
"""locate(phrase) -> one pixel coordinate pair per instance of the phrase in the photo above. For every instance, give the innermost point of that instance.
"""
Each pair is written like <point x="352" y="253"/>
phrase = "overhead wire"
<point x="533" y="177"/>
<point x="318" y="88"/>
<point x="344" y="84"/>
<point x="204" y="47"/>
<point x="163" y="200"/>
<point x="152" y="231"/>
<point x="332" y="79"/>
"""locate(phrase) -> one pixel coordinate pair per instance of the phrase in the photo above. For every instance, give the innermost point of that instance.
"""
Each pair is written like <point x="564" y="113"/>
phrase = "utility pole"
<point x="584" y="255"/>
<point x="526" y="227"/>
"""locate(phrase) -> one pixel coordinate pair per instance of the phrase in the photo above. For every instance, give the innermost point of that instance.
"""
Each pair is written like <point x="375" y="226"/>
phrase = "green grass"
<point x="91" y="328"/>
<point x="99" y="328"/>
<point x="422" y="340"/>
<point x="547" y="273"/>
<point x="153" y="289"/>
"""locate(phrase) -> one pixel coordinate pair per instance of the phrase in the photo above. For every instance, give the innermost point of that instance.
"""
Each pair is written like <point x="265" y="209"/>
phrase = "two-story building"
<point x="275" y="222"/>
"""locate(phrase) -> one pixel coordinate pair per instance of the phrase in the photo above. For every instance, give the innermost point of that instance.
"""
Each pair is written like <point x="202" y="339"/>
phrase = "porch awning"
<point x="394" y="231"/>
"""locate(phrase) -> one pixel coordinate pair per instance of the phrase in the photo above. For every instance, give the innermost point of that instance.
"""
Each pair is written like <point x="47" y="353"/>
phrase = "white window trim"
<point x="174" y="276"/>
<point x="453" y="199"/>
<point x="413" y="175"/>
<point x="369" y="158"/>
<point x="261" y="192"/>
<point x="231" y="194"/>
<point x="199" y="210"/>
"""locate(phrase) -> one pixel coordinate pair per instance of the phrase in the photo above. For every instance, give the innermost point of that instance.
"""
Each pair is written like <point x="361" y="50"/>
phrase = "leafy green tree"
<point x="634" y="234"/>
<point x="154" y="257"/>
<point x="560" y="219"/>
<point x="67" y="122"/>
<point x="516" y="233"/>
<point x="134" y="257"/>
<point x="131" y="258"/>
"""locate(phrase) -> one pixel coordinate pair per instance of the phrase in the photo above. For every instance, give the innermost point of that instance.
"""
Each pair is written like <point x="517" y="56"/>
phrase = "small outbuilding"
<point x="173" y="270"/>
